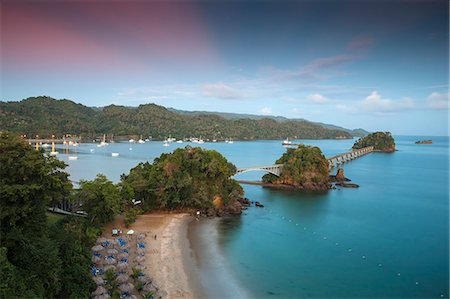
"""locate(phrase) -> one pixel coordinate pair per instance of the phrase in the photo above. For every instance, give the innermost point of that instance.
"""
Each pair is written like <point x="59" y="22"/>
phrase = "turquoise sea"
<point x="387" y="239"/>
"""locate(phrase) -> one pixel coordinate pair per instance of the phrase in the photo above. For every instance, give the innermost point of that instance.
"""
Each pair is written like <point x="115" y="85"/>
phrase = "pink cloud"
<point x="104" y="36"/>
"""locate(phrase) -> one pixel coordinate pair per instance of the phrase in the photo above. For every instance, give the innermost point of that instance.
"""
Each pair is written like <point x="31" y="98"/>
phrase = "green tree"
<point x="29" y="182"/>
<point x="100" y="198"/>
<point x="381" y="141"/>
<point x="187" y="178"/>
<point x="304" y="167"/>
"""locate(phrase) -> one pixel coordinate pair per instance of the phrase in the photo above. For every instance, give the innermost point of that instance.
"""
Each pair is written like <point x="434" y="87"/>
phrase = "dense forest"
<point x="381" y="141"/>
<point x="46" y="116"/>
<point x="45" y="255"/>
<point x="186" y="178"/>
<point x="304" y="167"/>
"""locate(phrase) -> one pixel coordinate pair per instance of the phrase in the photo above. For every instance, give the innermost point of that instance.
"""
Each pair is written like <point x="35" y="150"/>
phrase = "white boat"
<point x="170" y="139"/>
<point x="73" y="158"/>
<point x="44" y="145"/>
<point x="92" y="150"/>
<point x="214" y="140"/>
<point x="147" y="140"/>
<point x="179" y="141"/>
<point x="287" y="141"/>
<point x="131" y="140"/>
<point x="200" y="141"/>
<point x="103" y="143"/>
<point x="141" y="141"/>
<point x="114" y="154"/>
<point x="53" y="153"/>
<point x="166" y="144"/>
<point x="230" y="141"/>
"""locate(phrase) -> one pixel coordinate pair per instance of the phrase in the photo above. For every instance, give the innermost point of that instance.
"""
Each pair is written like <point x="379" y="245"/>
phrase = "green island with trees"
<point x="48" y="255"/>
<point x="304" y="168"/>
<point x="381" y="141"/>
<point x="45" y="116"/>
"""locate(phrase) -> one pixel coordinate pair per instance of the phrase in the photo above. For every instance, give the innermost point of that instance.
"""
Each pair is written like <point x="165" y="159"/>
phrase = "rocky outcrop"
<point x="347" y="185"/>
<point x="339" y="177"/>
<point x="381" y="142"/>
<point x="304" y="168"/>
<point x="429" y="141"/>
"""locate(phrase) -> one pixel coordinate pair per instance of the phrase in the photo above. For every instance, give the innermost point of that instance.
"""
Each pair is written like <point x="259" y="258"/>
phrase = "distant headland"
<point x="46" y="116"/>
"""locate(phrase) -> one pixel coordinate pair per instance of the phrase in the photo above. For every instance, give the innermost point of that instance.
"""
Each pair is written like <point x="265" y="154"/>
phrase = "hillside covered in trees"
<point x="304" y="167"/>
<point x="381" y="141"/>
<point x="186" y="178"/>
<point x="46" y="116"/>
<point x="44" y="255"/>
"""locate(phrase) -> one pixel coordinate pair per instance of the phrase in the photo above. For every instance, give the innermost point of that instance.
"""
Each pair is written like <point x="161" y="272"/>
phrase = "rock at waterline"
<point x="339" y="177"/>
<point x="347" y="185"/>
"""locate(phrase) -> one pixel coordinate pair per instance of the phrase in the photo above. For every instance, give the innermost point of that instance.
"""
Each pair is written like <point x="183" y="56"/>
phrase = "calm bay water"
<point x="387" y="239"/>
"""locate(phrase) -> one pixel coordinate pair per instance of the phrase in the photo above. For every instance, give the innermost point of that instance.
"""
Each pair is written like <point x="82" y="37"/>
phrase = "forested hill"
<point x="355" y="132"/>
<point x="46" y="116"/>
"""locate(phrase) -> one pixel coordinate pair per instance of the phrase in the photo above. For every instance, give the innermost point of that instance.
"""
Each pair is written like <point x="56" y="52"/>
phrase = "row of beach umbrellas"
<point x="116" y="260"/>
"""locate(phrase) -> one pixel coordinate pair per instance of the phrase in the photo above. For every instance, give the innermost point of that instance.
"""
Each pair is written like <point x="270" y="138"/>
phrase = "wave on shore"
<point x="215" y="277"/>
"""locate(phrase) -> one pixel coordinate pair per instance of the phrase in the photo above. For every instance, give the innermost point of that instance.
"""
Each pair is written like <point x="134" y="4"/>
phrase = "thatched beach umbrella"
<point x="111" y="261"/>
<point x="98" y="248"/>
<point x="122" y="255"/>
<point x="96" y="259"/>
<point x="98" y="280"/>
<point x="140" y="258"/>
<point x="126" y="287"/>
<point x="101" y="240"/>
<point x="122" y="278"/>
<point x="144" y="279"/>
<point x="139" y="267"/>
<point x="149" y="288"/>
<point x="112" y="251"/>
<point x="100" y="290"/>
<point x="140" y="250"/>
<point x="122" y="266"/>
<point x="140" y="237"/>
<point x="108" y="267"/>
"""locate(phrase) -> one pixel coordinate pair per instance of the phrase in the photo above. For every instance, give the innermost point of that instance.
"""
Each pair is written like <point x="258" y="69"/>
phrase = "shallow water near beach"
<point x="388" y="238"/>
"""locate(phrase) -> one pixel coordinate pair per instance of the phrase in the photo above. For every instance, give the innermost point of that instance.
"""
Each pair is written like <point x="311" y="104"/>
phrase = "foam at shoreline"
<point x="216" y="280"/>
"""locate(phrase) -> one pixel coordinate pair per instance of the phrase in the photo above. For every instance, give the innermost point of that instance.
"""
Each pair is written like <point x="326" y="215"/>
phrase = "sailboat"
<point x="287" y="142"/>
<point x="67" y="153"/>
<point x="103" y="143"/>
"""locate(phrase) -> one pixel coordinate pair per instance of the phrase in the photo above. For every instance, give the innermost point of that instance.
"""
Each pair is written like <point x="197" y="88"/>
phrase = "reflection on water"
<point x="386" y="239"/>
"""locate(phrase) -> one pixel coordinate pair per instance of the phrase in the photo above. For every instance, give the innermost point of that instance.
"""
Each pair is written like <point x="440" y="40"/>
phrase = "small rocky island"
<point x="381" y="141"/>
<point x="188" y="179"/>
<point x="429" y="141"/>
<point x="304" y="168"/>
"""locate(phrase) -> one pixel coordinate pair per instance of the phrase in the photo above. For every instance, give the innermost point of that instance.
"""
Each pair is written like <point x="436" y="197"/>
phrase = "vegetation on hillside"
<point x="381" y="141"/>
<point x="187" y="178"/>
<point x="45" y="116"/>
<point x="304" y="167"/>
<point x="48" y="256"/>
<point x="41" y="256"/>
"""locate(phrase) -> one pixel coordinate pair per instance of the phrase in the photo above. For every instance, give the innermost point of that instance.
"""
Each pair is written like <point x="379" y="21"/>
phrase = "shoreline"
<point x="170" y="260"/>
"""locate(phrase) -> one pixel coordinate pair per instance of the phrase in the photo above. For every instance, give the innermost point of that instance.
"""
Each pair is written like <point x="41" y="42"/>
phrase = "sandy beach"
<point x="170" y="261"/>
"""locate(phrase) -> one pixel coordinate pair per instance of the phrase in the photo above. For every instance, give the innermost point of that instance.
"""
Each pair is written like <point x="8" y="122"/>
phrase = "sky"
<point x="377" y="65"/>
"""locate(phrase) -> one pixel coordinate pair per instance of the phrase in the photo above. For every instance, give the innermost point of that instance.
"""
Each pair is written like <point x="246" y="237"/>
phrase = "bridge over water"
<point x="333" y="161"/>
